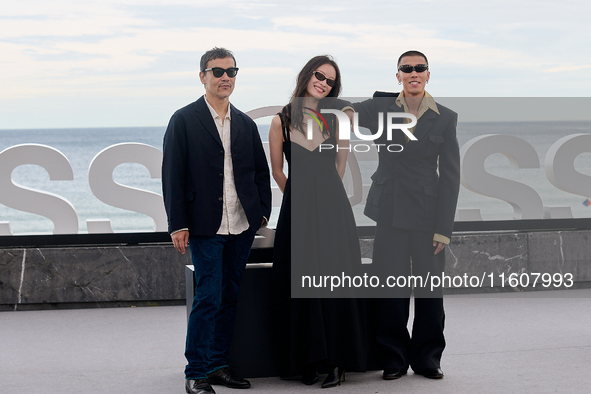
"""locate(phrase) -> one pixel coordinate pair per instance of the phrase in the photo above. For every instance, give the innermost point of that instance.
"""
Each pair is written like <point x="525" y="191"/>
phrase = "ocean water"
<point x="541" y="136"/>
<point x="80" y="146"/>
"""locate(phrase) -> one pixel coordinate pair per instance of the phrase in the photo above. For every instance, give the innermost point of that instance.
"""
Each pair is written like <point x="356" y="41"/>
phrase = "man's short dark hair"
<point x="215" y="53"/>
<point x="412" y="53"/>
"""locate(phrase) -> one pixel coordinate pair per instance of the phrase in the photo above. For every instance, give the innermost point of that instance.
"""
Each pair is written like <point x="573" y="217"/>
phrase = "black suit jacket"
<point x="416" y="189"/>
<point x="193" y="170"/>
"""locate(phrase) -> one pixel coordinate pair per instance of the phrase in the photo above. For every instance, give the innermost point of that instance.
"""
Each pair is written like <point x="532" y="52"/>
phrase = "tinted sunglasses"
<point x="407" y="69"/>
<point x="321" y="77"/>
<point x="218" y="71"/>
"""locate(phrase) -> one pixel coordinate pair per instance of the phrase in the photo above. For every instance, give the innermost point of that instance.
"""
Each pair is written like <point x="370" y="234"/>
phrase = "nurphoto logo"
<point x="345" y="129"/>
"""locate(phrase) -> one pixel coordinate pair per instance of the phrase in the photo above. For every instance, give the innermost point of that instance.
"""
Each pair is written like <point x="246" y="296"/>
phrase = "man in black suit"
<point x="216" y="188"/>
<point x="413" y="200"/>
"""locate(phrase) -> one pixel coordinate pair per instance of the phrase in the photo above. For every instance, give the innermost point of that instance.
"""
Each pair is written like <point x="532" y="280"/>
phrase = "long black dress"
<point x="316" y="331"/>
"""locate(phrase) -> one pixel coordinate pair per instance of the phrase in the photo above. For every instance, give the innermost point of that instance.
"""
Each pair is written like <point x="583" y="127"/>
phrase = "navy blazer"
<point x="416" y="189"/>
<point x="193" y="170"/>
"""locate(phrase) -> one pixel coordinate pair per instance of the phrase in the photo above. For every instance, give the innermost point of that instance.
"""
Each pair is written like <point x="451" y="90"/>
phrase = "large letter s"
<point x="55" y="208"/>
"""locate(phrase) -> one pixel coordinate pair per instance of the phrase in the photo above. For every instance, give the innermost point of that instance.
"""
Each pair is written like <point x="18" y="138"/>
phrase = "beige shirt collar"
<point x="427" y="102"/>
<point x="214" y="114"/>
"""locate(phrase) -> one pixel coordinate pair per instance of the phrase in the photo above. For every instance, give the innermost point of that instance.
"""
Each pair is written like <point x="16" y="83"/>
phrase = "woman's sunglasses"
<point x="407" y="69"/>
<point x="218" y="71"/>
<point x="321" y="77"/>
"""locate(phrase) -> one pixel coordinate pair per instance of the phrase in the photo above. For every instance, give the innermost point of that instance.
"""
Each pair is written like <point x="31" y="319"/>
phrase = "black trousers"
<point x="404" y="253"/>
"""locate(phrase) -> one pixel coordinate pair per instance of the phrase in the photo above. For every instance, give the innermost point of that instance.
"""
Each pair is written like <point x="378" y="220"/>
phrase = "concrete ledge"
<point x="91" y="274"/>
<point x="496" y="255"/>
<point x="86" y="275"/>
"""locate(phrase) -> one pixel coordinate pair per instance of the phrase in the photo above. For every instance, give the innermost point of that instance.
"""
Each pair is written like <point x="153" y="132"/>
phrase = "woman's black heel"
<point x="335" y="376"/>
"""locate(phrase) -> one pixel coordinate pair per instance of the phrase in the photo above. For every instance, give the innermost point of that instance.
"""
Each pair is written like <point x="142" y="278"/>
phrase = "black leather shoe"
<point x="431" y="373"/>
<point x="393" y="373"/>
<point x="226" y="377"/>
<point x="335" y="377"/>
<point x="199" y="386"/>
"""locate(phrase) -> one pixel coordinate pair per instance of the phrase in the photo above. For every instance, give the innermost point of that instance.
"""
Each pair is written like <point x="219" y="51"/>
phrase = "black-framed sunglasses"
<point x="407" y="69"/>
<point x="218" y="71"/>
<point x="321" y="77"/>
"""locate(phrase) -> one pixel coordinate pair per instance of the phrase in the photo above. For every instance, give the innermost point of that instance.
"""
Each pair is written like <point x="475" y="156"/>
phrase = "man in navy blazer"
<point x="216" y="187"/>
<point x="413" y="200"/>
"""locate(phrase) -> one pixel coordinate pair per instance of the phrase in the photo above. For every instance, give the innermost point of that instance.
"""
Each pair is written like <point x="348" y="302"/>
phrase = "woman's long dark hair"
<point x="292" y="113"/>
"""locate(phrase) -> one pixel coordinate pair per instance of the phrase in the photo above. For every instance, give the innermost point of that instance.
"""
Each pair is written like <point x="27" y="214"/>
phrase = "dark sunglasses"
<point x="218" y="71"/>
<point x="407" y="69"/>
<point x="321" y="77"/>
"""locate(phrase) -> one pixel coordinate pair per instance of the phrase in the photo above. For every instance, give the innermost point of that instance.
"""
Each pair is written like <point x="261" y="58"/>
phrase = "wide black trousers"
<point x="407" y="253"/>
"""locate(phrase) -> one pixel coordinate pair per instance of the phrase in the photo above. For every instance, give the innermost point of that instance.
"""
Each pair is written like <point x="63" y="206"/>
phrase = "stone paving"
<point x="534" y="342"/>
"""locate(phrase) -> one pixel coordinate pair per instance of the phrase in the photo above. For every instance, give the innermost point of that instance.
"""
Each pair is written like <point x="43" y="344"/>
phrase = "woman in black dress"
<point x="316" y="334"/>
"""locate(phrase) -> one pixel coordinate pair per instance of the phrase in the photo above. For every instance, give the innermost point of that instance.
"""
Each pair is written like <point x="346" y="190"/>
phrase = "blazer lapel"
<point x="234" y="126"/>
<point x="398" y="136"/>
<point x="425" y="124"/>
<point x="204" y="116"/>
<point x="422" y="129"/>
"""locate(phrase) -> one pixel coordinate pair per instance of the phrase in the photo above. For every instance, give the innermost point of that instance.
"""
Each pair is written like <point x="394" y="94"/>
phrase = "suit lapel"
<point x="425" y="124"/>
<point x="234" y="126"/>
<point x="423" y="127"/>
<point x="398" y="137"/>
<point x="204" y="116"/>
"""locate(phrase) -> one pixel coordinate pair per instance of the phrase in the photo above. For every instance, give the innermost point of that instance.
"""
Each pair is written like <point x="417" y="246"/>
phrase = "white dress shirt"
<point x="234" y="220"/>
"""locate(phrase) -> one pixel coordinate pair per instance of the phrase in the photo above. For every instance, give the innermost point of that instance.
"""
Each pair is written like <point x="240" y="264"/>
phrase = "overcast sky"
<point x="67" y="63"/>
